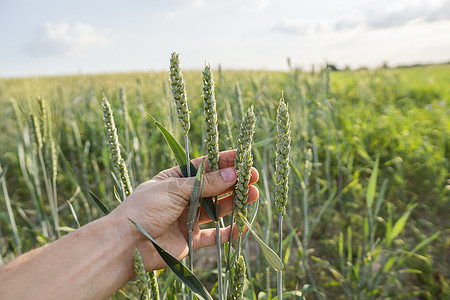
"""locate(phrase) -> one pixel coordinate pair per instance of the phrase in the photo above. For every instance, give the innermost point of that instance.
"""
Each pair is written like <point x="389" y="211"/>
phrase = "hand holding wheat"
<point x="167" y="195"/>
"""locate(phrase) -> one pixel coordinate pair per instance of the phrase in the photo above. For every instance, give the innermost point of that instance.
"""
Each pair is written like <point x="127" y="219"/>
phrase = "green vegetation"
<point x="368" y="209"/>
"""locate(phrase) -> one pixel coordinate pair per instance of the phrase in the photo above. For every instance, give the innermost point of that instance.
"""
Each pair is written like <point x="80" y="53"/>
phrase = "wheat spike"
<point x="18" y="114"/>
<point x="123" y="100"/>
<point x="212" y="134"/>
<point x="114" y="146"/>
<point x="54" y="158"/>
<point x="154" y="284"/>
<point x="44" y="118"/>
<point x="245" y="135"/>
<point x="239" y="279"/>
<point x="179" y="92"/>
<point x="36" y="130"/>
<point x="282" y="157"/>
<point x="142" y="280"/>
<point x="241" y="187"/>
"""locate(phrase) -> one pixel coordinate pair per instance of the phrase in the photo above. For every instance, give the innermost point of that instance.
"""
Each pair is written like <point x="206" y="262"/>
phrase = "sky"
<point x="52" y="37"/>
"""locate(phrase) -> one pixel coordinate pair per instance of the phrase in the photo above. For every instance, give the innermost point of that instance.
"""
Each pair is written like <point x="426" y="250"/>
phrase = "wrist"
<point x="125" y="232"/>
<point x="130" y="238"/>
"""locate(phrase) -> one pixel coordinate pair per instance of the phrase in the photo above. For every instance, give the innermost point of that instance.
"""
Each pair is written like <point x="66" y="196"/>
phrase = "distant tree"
<point x="332" y="67"/>
<point x="289" y="63"/>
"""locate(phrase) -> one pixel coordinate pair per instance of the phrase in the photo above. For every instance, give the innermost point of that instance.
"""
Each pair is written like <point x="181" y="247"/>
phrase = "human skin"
<point x="96" y="260"/>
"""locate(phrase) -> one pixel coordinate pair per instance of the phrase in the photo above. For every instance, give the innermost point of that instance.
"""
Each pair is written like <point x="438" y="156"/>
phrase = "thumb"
<point x="215" y="183"/>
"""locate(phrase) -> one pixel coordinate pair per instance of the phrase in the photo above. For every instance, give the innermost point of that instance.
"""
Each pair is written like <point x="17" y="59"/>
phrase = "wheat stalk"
<point x="282" y="177"/>
<point x="39" y="143"/>
<point x="114" y="147"/>
<point x="50" y="159"/>
<point x="10" y="212"/>
<point x="119" y="164"/>
<point x="212" y="146"/>
<point x="240" y="191"/>
<point x="178" y="88"/>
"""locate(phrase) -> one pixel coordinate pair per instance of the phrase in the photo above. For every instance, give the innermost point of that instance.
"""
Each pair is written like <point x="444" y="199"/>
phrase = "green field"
<point x="335" y="242"/>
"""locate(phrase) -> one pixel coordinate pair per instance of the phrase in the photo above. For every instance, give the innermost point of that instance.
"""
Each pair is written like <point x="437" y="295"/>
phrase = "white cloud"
<point x="396" y="14"/>
<point x="170" y="15"/>
<point x="302" y="27"/>
<point x="400" y="13"/>
<point x="65" y="39"/>
<point x="254" y="5"/>
<point x="198" y="3"/>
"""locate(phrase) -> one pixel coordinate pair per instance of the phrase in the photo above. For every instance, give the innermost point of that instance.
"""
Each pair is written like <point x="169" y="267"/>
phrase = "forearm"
<point x="89" y="263"/>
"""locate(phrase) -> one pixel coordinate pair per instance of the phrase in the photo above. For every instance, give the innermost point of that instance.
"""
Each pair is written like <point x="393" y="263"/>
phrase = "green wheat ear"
<point x="212" y="146"/>
<point x="18" y="114"/>
<point x="154" y="284"/>
<point x="142" y="279"/>
<point x="179" y="92"/>
<point x="243" y="163"/>
<point x="282" y="157"/>
<point x="44" y="117"/>
<point x="36" y="131"/>
<point x="51" y="157"/>
<point x="239" y="279"/>
<point x="241" y="187"/>
<point x="212" y="133"/>
<point x="245" y="135"/>
<point x="124" y="105"/>
<point x="123" y="100"/>
<point x="114" y="146"/>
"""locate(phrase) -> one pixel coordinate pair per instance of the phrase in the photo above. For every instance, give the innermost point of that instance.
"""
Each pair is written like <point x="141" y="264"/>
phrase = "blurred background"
<point x="51" y="37"/>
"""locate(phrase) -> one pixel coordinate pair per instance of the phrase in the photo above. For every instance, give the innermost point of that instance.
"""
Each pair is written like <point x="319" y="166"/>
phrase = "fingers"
<point x="226" y="205"/>
<point x="208" y="236"/>
<point x="226" y="160"/>
<point x="215" y="183"/>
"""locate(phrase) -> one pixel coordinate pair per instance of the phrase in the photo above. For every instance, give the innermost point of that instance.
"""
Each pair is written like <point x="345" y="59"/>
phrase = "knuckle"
<point x="212" y="180"/>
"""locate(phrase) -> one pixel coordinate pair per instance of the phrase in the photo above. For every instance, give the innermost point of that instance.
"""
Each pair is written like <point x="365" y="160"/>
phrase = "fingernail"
<point x="228" y="174"/>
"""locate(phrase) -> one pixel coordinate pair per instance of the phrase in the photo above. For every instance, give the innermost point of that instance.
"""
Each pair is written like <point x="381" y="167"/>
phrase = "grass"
<point x="341" y="122"/>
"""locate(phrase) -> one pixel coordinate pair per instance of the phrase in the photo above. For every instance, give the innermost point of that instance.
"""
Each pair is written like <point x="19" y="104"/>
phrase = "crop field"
<point x="368" y="214"/>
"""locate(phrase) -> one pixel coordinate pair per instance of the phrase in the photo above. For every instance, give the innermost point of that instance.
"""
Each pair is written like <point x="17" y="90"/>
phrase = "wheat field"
<point x="368" y="210"/>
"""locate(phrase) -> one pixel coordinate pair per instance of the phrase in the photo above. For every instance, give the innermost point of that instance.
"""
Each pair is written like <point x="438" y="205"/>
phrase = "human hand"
<point x="160" y="206"/>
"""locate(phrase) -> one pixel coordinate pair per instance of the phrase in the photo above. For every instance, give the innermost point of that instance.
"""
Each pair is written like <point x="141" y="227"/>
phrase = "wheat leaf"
<point x="296" y="170"/>
<point x="372" y="184"/>
<point x="272" y="258"/>
<point x="195" y="197"/>
<point x="180" y="156"/>
<point x="99" y="203"/>
<point x="3" y="172"/>
<point x="400" y="224"/>
<point x="117" y="195"/>
<point x="177" y="150"/>
<point x="263" y="142"/>
<point x="183" y="273"/>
